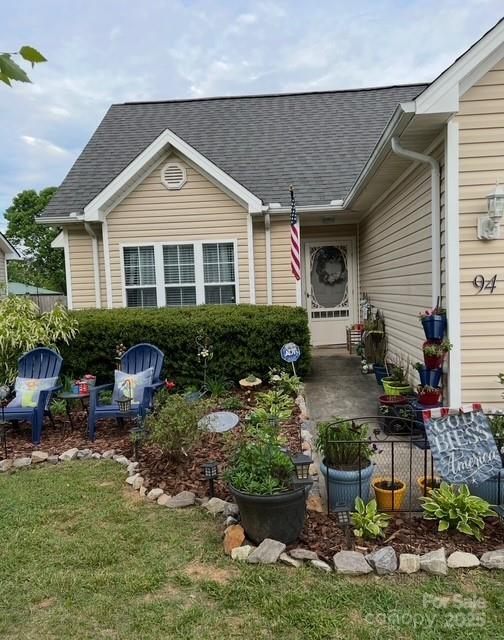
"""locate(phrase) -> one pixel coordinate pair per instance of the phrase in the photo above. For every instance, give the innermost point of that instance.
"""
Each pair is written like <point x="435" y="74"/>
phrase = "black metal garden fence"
<point x="394" y="461"/>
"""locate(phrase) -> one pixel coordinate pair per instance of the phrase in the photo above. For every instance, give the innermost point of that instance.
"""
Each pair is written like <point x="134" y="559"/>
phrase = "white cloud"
<point x="59" y="112"/>
<point x="45" y="145"/>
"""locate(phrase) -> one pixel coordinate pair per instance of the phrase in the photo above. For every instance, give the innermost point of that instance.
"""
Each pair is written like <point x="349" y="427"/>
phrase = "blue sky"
<point x="105" y="51"/>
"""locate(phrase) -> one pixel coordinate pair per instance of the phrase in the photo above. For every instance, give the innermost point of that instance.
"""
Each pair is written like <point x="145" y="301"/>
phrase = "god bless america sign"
<point x="462" y="444"/>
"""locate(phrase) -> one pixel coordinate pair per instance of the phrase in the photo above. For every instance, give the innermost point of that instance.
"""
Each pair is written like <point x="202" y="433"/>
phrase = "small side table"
<point x="70" y="397"/>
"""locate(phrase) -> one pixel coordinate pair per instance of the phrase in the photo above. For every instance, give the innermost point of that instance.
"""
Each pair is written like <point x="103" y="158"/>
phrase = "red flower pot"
<point x="429" y="397"/>
<point x="432" y="362"/>
<point x="392" y="401"/>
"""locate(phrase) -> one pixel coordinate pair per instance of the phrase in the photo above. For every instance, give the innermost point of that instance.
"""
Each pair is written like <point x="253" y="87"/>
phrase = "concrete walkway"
<point x="336" y="387"/>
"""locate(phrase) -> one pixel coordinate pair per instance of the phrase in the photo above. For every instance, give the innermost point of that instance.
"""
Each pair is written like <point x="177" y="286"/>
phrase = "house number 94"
<point x="482" y="284"/>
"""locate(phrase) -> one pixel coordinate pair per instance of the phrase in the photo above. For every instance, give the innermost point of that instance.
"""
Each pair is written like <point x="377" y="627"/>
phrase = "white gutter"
<point x="250" y="254"/>
<point x="267" y="240"/>
<point x="96" y="263"/>
<point x="436" y="211"/>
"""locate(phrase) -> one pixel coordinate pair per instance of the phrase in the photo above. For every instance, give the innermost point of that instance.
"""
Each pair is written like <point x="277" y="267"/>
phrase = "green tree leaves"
<point x="43" y="266"/>
<point x="11" y="71"/>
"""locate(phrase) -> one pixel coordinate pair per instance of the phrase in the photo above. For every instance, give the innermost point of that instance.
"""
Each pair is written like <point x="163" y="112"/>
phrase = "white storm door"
<point x="329" y="272"/>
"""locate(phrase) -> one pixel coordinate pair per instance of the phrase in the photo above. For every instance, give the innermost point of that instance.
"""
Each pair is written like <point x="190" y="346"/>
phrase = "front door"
<point x="329" y="277"/>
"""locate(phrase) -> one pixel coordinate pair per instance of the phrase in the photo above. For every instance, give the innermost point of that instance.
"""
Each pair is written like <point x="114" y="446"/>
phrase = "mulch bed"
<point x="323" y="534"/>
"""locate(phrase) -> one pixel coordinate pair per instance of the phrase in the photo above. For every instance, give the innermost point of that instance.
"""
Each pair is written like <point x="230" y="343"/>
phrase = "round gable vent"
<point x="173" y="175"/>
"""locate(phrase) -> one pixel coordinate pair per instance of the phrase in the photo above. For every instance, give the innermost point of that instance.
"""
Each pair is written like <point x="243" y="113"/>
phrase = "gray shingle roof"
<point x="317" y="141"/>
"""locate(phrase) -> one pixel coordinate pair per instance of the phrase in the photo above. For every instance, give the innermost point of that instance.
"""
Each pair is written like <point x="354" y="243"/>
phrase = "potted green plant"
<point x="428" y="396"/>
<point x="397" y="383"/>
<point x="396" y="414"/>
<point x="435" y="352"/>
<point x="346" y="460"/>
<point x="262" y="482"/>
<point x="434" y="323"/>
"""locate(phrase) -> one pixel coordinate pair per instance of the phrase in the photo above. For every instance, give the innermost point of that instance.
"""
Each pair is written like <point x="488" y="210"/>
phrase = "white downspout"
<point x="436" y="211"/>
<point x="96" y="263"/>
<point x="267" y="239"/>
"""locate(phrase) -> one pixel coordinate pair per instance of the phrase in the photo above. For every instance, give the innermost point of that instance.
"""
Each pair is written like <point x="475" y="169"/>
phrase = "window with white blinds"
<point x="140" y="276"/>
<point x="180" y="275"/>
<point x="219" y="273"/>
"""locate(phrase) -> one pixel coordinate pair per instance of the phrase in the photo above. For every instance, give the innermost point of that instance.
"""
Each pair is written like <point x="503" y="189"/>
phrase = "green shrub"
<point x="369" y="523"/>
<point x="246" y="339"/>
<point x="285" y="382"/>
<point x="456" y="508"/>
<point x="23" y="327"/>
<point x="173" y="425"/>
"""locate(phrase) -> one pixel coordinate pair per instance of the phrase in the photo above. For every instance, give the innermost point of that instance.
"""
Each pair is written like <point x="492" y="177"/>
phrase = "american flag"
<point x="295" y="242"/>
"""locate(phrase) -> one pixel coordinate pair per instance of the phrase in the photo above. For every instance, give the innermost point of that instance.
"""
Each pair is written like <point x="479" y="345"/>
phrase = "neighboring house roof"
<point x="318" y="141"/>
<point x="11" y="253"/>
<point x="21" y="289"/>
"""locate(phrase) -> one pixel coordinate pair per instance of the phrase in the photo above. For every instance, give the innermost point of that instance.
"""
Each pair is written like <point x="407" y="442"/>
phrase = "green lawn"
<point x="81" y="556"/>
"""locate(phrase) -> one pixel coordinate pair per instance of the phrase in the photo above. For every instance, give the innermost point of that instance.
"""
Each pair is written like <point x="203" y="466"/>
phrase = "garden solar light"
<point x="302" y="464"/>
<point x="124" y="401"/>
<point x="211" y="471"/>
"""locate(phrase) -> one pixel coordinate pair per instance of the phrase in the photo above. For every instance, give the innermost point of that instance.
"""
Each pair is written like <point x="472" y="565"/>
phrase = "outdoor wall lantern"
<point x="489" y="225"/>
<point x="211" y="472"/>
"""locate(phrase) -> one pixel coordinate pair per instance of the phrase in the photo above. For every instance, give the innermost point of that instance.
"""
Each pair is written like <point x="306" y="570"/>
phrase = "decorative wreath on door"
<point x="331" y="266"/>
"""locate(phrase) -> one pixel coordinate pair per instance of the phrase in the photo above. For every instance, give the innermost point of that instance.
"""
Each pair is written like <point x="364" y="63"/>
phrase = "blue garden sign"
<point x="290" y="352"/>
<point x="462" y="446"/>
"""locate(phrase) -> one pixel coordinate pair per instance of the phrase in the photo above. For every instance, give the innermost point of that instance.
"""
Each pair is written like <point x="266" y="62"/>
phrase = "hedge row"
<point x="246" y="339"/>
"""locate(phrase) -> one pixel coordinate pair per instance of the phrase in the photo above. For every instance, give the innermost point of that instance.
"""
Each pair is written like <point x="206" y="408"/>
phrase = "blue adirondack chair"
<point x="38" y="363"/>
<point x="136" y="359"/>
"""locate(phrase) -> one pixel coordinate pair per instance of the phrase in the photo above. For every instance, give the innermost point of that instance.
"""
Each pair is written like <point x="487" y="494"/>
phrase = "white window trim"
<point x="198" y="264"/>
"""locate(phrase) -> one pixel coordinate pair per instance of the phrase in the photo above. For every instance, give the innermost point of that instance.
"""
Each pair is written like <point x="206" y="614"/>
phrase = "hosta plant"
<point x="456" y="508"/>
<point x="369" y="523"/>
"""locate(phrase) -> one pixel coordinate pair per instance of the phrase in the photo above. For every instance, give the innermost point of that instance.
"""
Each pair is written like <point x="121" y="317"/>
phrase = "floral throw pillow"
<point x="28" y="391"/>
<point x="131" y="385"/>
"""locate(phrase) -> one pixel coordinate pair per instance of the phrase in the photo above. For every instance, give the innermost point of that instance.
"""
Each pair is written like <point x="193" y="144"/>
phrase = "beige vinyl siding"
<point x="395" y="249"/>
<point x="198" y="211"/>
<point x="81" y="268"/>
<point x="261" y="283"/>
<point x="481" y="133"/>
<point x="3" y="275"/>
<point x="284" y="284"/>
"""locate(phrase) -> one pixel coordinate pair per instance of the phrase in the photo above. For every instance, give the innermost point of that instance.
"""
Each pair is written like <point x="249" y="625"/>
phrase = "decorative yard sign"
<point x="462" y="444"/>
<point x="290" y="352"/>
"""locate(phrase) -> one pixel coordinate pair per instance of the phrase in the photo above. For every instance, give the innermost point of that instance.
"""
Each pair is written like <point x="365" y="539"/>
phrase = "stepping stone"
<point x="267" y="552"/>
<point x="409" y="563"/>
<point x="181" y="500"/>
<point x="234" y="536"/>
<point x="70" y="454"/>
<point x="219" y="421"/>
<point x="22" y="462"/>
<point x="291" y="562"/>
<point x="39" y="456"/>
<point x="434" y="562"/>
<point x="303" y="554"/>
<point x="383" y="560"/>
<point x="242" y="553"/>
<point x="493" y="559"/>
<point x="462" y="560"/>
<point x="351" y="563"/>
<point x="321" y="565"/>
<point x="154" y="494"/>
